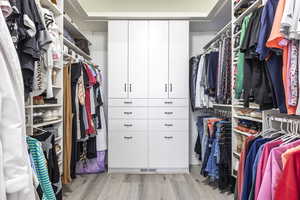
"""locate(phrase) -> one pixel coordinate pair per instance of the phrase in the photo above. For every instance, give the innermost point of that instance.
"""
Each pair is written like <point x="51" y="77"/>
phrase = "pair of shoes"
<point x="51" y="115"/>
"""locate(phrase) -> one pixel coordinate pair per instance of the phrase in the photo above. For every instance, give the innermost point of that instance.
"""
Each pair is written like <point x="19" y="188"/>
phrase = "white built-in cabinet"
<point x="148" y="87"/>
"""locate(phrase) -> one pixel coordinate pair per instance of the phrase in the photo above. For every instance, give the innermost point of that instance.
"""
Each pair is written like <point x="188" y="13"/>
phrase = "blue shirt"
<point x="250" y="159"/>
<point x="266" y="21"/>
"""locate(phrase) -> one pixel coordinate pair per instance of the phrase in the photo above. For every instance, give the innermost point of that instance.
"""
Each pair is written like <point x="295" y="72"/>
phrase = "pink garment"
<point x="273" y="171"/>
<point x="263" y="163"/>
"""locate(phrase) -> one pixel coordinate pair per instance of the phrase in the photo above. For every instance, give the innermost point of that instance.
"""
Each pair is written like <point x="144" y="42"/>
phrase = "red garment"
<point x="240" y="176"/>
<point x="288" y="187"/>
<point x="92" y="81"/>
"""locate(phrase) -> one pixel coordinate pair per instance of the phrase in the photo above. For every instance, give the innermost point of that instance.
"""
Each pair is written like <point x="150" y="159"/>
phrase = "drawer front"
<point x="168" y="113"/>
<point x="127" y="113"/>
<point x="127" y="125"/>
<point x="168" y="102"/>
<point x="168" y="150"/>
<point x="127" y="150"/>
<point x="168" y="125"/>
<point x="128" y="102"/>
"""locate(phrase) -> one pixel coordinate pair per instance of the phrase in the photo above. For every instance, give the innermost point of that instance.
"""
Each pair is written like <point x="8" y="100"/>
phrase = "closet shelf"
<point x="74" y="30"/>
<point x="222" y="105"/>
<point x="242" y="133"/>
<point x="76" y="49"/>
<point x="241" y="106"/>
<point x="56" y="87"/>
<point x="48" y="4"/>
<point x="248" y="11"/>
<point x="47" y="123"/>
<point x="44" y="106"/>
<point x="248" y="118"/>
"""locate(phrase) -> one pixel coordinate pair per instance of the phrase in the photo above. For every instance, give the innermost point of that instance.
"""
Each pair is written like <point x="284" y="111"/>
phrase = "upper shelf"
<point x="51" y="6"/>
<point x="74" y="30"/>
<point x="76" y="49"/>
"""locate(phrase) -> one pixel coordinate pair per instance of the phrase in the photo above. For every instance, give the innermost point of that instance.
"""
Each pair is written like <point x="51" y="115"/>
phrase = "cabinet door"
<point x="158" y="59"/>
<point x="178" y="59"/>
<point x="127" y="150"/>
<point x="168" y="150"/>
<point x="138" y="59"/>
<point x="118" y="59"/>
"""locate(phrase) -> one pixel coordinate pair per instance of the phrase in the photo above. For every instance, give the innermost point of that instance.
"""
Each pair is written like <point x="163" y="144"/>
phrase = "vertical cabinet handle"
<point x="130" y="87"/>
<point x="125" y="87"/>
<point x="171" y="87"/>
<point x="166" y="87"/>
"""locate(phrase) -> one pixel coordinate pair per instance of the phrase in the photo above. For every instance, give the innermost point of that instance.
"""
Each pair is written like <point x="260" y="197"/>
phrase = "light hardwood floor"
<point x="143" y="187"/>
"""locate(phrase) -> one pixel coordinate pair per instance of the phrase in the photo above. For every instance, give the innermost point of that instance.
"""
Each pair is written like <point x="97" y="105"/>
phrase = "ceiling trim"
<point x="193" y="16"/>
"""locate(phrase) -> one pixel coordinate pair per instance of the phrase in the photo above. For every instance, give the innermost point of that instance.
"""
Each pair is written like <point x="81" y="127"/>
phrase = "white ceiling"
<point x="148" y="8"/>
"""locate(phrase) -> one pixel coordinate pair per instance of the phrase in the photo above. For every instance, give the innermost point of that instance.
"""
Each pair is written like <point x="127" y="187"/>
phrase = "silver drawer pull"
<point x="168" y="102"/>
<point x="127" y="113"/>
<point x="128" y="125"/>
<point x="128" y="137"/>
<point x="168" y="137"/>
<point x="168" y="125"/>
<point x="169" y="113"/>
<point x="127" y="102"/>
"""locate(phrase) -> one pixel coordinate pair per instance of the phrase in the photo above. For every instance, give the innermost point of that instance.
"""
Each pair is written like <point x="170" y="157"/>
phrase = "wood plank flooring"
<point x="143" y="187"/>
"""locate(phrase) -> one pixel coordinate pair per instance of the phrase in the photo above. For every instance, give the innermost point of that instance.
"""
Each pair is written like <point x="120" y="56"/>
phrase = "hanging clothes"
<point x="39" y="162"/>
<point x="67" y="125"/>
<point x="48" y="145"/>
<point x="15" y="164"/>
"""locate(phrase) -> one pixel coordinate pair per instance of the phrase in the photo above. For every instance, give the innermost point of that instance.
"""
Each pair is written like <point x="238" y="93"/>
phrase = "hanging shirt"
<point x="249" y="164"/>
<point x="267" y="19"/>
<point x="15" y="159"/>
<point x="263" y="163"/>
<point x="277" y="40"/>
<point x="273" y="171"/>
<point x="41" y="168"/>
<point x="285" y="156"/>
<point x="241" y="167"/>
<point x="199" y="89"/>
<point x="288" y="184"/>
<point x="241" y="60"/>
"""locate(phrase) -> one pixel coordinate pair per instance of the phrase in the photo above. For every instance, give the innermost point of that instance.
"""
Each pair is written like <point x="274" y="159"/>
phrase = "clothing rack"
<point x="218" y="36"/>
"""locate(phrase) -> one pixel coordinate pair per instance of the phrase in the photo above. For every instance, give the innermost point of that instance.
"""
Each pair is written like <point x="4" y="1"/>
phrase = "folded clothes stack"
<point x="250" y="127"/>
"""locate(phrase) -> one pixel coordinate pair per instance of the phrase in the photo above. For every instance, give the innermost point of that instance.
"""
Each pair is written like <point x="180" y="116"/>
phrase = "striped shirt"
<point x="41" y="168"/>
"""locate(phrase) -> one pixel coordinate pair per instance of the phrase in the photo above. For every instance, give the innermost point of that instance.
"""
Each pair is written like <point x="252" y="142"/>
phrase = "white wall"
<point x="99" y="55"/>
<point x="197" y="41"/>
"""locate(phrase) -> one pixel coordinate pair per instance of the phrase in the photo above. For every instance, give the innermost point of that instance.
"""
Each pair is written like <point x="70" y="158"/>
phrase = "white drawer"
<point x="127" y="113"/>
<point x="127" y="150"/>
<point x="168" y="125"/>
<point x="128" y="102"/>
<point x="168" y="113"/>
<point x="127" y="125"/>
<point x="168" y="102"/>
<point x="168" y="150"/>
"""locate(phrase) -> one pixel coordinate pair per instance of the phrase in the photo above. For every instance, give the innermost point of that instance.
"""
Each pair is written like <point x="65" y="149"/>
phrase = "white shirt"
<point x="15" y="161"/>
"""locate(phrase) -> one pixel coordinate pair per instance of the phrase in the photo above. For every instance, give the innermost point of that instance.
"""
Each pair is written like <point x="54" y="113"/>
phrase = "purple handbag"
<point x="92" y="166"/>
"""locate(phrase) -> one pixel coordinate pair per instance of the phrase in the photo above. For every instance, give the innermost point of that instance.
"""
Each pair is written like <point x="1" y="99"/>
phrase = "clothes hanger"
<point x="41" y="130"/>
<point x="270" y="128"/>
<point x="293" y="133"/>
